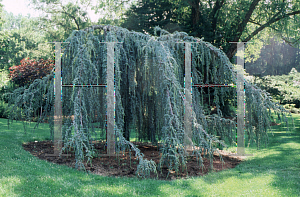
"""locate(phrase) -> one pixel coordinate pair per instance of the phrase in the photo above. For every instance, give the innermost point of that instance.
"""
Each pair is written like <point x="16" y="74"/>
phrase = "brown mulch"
<point x="274" y="124"/>
<point x="123" y="166"/>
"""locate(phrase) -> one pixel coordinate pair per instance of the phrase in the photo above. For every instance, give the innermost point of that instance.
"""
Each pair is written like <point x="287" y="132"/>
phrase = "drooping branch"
<point x="157" y="76"/>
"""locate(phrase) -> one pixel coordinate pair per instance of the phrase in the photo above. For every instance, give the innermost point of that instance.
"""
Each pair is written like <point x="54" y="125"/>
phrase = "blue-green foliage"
<point x="149" y="93"/>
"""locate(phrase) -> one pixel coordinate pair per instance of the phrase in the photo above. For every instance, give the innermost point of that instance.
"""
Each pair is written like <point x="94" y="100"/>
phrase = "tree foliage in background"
<point x="149" y="78"/>
<point x="218" y="21"/>
<point x="20" y="38"/>
<point x="12" y="49"/>
<point x="1" y="14"/>
<point x="60" y="18"/>
<point x="276" y="57"/>
<point x="147" y="14"/>
<point x="284" y="89"/>
<point x="112" y="11"/>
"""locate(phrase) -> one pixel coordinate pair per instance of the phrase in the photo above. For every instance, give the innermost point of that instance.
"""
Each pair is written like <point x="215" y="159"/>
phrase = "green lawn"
<point x="274" y="171"/>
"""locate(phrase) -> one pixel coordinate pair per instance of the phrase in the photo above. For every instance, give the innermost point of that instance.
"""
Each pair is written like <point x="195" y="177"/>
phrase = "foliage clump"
<point x="284" y="89"/>
<point x="149" y="94"/>
<point x="29" y="70"/>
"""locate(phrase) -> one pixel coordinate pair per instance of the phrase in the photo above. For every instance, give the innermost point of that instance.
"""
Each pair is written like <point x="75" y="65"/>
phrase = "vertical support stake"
<point x="58" y="104"/>
<point x="240" y="100"/>
<point x="188" y="134"/>
<point x="110" y="100"/>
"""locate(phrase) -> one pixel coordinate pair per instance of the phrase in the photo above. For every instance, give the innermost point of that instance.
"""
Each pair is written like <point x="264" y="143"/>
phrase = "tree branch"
<point x="291" y="43"/>
<point x="232" y="49"/>
<point x="267" y="24"/>
<point x="256" y="23"/>
<point x="192" y="4"/>
<point x="55" y="11"/>
<point x="71" y="16"/>
<point x="243" y="24"/>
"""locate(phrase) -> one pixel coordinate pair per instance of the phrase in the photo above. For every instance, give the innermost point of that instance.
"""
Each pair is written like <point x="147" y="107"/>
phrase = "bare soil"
<point x="125" y="166"/>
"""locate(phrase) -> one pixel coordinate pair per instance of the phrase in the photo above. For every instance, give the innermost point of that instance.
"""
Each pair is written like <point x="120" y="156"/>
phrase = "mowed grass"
<point x="272" y="171"/>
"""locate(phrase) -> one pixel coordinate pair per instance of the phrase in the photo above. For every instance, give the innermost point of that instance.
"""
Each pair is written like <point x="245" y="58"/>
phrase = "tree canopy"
<point x="20" y="38"/>
<point x="276" y="57"/>
<point x="218" y="21"/>
<point x="1" y="11"/>
<point x="61" y="18"/>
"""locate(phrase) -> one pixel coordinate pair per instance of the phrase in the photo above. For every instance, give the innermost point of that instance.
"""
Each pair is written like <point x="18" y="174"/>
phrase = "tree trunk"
<point x="195" y="15"/>
<point x="231" y="51"/>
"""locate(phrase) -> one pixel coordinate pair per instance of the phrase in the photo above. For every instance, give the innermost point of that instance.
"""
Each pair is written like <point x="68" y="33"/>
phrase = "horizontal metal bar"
<point x="65" y="85"/>
<point x="110" y="42"/>
<point x="240" y="42"/>
<point x="110" y="155"/>
<point x="57" y="42"/>
<point x="188" y="42"/>
<point x="214" y="85"/>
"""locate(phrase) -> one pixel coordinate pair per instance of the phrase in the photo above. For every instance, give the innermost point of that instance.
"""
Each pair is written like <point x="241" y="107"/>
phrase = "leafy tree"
<point x="21" y="38"/>
<point x="150" y="70"/>
<point x="147" y="14"/>
<point x="12" y="49"/>
<point x="1" y="14"/>
<point x="277" y="57"/>
<point x="112" y="11"/>
<point x="218" y="21"/>
<point x="12" y="21"/>
<point x="59" y="20"/>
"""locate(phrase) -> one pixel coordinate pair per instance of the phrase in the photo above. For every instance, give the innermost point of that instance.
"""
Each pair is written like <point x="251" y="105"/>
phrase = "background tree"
<point x="275" y="56"/>
<point x="20" y="38"/>
<point x="112" y="11"/>
<point x="218" y="21"/>
<point x="147" y="14"/>
<point x="284" y="89"/>
<point x="1" y="16"/>
<point x="61" y="18"/>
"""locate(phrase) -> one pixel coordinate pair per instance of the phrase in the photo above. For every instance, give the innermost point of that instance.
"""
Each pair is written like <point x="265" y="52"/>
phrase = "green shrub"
<point x="4" y="109"/>
<point x="284" y="89"/>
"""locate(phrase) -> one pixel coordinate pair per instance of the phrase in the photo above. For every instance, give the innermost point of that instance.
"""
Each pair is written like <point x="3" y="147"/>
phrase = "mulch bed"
<point x="123" y="166"/>
<point x="274" y="124"/>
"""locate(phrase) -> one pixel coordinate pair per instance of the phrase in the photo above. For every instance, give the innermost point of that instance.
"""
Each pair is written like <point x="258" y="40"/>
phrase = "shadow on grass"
<point x="280" y="160"/>
<point x="24" y="175"/>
